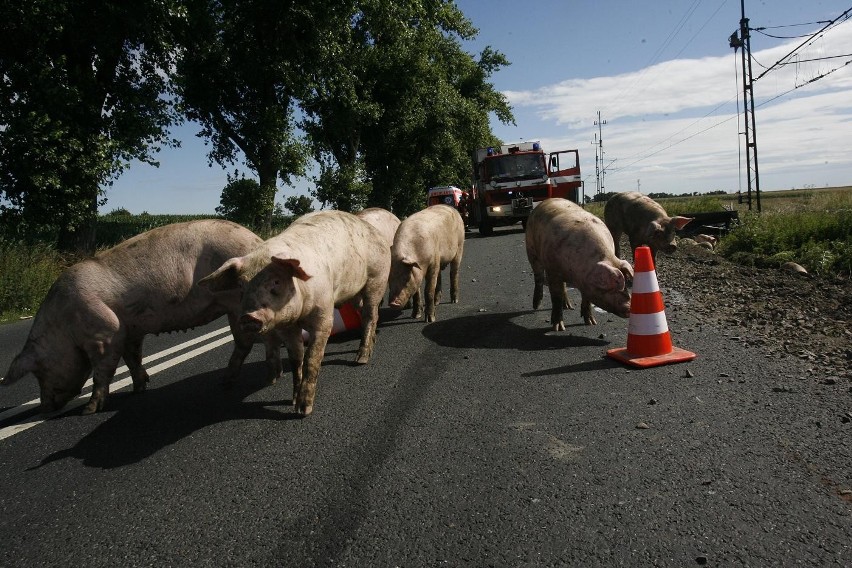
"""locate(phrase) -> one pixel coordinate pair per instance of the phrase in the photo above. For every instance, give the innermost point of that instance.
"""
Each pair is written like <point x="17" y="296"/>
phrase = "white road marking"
<point x="9" y="431"/>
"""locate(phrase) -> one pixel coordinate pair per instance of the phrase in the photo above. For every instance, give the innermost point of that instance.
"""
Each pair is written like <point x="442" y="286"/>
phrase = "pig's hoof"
<point x="362" y="359"/>
<point x="304" y="411"/>
<point x="91" y="407"/>
<point x="559" y="326"/>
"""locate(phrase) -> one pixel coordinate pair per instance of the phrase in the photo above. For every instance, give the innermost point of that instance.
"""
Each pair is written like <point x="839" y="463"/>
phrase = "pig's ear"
<point x="226" y="277"/>
<point x="24" y="363"/>
<point x="627" y="271"/>
<point x="607" y="277"/>
<point x="655" y="228"/>
<point x="680" y="222"/>
<point x="291" y="264"/>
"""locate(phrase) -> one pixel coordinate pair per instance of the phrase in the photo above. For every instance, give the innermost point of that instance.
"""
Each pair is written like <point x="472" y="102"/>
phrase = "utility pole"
<point x="600" y="171"/>
<point x="744" y="42"/>
<point x="638" y="186"/>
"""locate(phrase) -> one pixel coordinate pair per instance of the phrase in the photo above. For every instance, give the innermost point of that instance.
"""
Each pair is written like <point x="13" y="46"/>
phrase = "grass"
<point x="26" y="274"/>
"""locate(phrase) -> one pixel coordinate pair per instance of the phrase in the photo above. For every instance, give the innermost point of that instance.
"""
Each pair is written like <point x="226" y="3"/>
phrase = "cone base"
<point x="677" y="355"/>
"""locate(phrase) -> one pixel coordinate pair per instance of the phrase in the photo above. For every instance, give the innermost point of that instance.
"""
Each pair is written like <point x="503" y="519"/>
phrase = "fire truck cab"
<point x="512" y="179"/>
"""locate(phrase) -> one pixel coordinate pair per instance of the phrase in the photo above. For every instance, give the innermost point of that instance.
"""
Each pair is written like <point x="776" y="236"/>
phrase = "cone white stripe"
<point x="647" y="324"/>
<point x="645" y="283"/>
<point x="337" y="326"/>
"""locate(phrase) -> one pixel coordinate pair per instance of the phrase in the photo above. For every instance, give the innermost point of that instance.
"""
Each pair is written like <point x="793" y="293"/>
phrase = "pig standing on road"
<point x="100" y="309"/>
<point x="294" y="281"/>
<point x="568" y="245"/>
<point x="382" y="219"/>
<point x="425" y="243"/>
<point x="644" y="221"/>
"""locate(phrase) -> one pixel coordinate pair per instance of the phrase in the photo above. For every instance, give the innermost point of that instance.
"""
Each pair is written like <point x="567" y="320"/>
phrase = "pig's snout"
<point x="396" y="304"/>
<point x="250" y="323"/>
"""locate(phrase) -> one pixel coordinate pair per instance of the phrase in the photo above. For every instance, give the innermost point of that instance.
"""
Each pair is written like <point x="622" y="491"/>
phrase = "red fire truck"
<point x="510" y="180"/>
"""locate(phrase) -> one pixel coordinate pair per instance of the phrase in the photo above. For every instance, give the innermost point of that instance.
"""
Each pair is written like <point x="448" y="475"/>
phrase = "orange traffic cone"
<point x="346" y="317"/>
<point x="648" y="340"/>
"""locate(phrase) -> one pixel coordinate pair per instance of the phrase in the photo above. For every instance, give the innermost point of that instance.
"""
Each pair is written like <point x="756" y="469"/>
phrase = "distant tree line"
<point x="604" y="197"/>
<point x="379" y="93"/>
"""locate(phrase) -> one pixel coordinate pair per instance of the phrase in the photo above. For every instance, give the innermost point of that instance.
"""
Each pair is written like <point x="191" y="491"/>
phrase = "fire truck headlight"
<point x="496" y="209"/>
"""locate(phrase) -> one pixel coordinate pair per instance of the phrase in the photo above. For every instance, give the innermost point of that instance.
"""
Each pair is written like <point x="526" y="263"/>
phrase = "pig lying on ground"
<point x="424" y="244"/>
<point x="382" y="219"/>
<point x="568" y="245"/>
<point x="293" y="281"/>
<point x="100" y="309"/>
<point x="643" y="220"/>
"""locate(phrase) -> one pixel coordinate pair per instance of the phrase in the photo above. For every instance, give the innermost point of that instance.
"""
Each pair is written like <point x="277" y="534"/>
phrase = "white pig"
<point x="382" y="219"/>
<point x="296" y="279"/>
<point x="425" y="243"/>
<point x="100" y="309"/>
<point x="644" y="221"/>
<point x="568" y="245"/>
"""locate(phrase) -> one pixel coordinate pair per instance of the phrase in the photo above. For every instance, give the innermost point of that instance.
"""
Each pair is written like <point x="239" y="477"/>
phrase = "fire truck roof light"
<point x="490" y="151"/>
<point x="536" y="146"/>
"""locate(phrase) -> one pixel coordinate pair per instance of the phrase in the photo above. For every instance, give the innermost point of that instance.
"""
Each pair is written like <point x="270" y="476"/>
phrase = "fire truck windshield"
<point x="505" y="167"/>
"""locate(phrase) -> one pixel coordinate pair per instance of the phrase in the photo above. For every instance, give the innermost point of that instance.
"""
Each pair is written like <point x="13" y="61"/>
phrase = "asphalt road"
<point x="480" y="439"/>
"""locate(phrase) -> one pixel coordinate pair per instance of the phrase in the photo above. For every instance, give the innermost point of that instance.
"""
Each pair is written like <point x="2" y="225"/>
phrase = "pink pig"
<point x="425" y="243"/>
<point x="644" y="221"/>
<point x="568" y="245"/>
<point x="382" y="219"/>
<point x="100" y="310"/>
<point x="294" y="281"/>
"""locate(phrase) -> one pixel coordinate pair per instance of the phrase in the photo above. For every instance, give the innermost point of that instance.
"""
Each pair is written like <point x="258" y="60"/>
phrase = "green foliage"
<point x="26" y="273"/>
<point x="818" y="239"/>
<point x="299" y="205"/>
<point x="244" y="65"/>
<point x="397" y="105"/>
<point x="80" y="98"/>
<point x="242" y="201"/>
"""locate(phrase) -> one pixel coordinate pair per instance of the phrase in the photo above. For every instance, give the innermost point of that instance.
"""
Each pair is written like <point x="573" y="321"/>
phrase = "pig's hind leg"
<point x="369" y="320"/>
<point x="433" y="277"/>
<point x="133" y="358"/>
<point x="104" y="351"/>
<point x="558" y="299"/>
<point x="104" y="355"/>
<point x="454" y="278"/>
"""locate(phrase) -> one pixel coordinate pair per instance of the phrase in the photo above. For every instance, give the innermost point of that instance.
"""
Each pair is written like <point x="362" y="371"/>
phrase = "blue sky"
<point x="663" y="77"/>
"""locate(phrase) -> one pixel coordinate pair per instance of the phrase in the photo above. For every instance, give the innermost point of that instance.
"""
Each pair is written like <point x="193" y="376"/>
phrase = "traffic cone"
<point x="346" y="317"/>
<point x="649" y="342"/>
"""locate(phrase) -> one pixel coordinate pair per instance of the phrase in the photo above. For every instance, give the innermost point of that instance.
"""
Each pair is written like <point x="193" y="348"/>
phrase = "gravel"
<point x="806" y="316"/>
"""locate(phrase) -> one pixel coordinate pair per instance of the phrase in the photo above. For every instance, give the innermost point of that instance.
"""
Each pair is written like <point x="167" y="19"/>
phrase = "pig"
<point x="100" y="309"/>
<point x="644" y="221"/>
<point x="708" y="239"/>
<point x="383" y="220"/>
<point x="425" y="243"/>
<point x="567" y="245"/>
<point x="295" y="280"/>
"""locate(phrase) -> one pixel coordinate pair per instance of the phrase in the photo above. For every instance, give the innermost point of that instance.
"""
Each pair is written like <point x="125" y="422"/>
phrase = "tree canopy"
<point x="82" y="92"/>
<point x="379" y="93"/>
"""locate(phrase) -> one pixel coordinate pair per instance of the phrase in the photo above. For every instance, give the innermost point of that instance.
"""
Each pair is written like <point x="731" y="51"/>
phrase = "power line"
<point x="844" y="15"/>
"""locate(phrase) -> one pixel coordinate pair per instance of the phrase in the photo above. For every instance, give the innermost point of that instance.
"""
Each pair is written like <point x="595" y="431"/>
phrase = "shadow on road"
<point x="143" y="424"/>
<point x="498" y="331"/>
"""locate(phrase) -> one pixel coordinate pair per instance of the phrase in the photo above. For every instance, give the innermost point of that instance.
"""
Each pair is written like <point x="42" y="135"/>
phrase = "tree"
<point x="299" y="205"/>
<point x="241" y="202"/>
<point x="397" y="106"/>
<point x="80" y="97"/>
<point x="240" y="74"/>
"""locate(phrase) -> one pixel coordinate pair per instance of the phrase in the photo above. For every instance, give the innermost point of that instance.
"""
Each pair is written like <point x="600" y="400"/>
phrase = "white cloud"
<point x="674" y="125"/>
